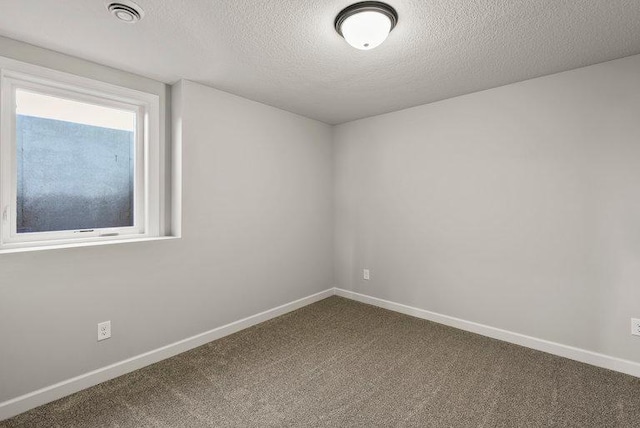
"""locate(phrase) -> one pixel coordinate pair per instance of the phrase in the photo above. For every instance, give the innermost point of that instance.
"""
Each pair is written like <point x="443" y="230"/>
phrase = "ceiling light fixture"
<point x="125" y="10"/>
<point x="367" y="24"/>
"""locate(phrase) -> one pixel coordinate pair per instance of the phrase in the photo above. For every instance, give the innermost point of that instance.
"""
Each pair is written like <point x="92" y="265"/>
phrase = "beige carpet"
<point x="338" y="363"/>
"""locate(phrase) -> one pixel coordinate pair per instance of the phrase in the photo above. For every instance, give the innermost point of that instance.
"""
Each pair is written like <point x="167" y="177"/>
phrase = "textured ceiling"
<point x="285" y="52"/>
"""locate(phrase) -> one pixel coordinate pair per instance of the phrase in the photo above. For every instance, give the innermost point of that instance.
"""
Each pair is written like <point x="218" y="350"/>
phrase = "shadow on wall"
<point x="73" y="176"/>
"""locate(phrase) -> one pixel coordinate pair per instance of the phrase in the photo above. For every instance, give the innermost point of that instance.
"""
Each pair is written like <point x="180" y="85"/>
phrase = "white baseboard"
<point x="45" y="395"/>
<point x="577" y="354"/>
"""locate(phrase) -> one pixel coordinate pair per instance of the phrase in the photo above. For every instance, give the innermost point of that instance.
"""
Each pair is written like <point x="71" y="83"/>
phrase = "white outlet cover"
<point x="365" y="274"/>
<point x="104" y="330"/>
<point x="635" y="326"/>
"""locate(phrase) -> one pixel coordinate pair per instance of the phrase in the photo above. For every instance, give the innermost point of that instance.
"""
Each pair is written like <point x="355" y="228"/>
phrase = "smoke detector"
<point x="125" y="10"/>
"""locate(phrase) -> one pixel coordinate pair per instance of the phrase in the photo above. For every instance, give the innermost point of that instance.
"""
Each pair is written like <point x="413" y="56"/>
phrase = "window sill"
<point x="42" y="247"/>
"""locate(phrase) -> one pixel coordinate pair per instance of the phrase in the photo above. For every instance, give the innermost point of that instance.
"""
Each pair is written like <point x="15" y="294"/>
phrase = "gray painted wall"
<point x="257" y="233"/>
<point x="515" y="207"/>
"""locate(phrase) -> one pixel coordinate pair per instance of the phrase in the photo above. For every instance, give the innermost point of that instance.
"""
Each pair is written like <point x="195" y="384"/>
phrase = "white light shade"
<point x="366" y="30"/>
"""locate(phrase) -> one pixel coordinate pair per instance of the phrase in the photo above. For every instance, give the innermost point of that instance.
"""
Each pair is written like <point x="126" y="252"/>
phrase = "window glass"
<point x="75" y="164"/>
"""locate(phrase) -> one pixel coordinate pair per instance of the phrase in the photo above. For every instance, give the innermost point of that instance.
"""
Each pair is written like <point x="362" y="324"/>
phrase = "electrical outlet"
<point x="104" y="330"/>
<point x="635" y="326"/>
<point x="365" y="274"/>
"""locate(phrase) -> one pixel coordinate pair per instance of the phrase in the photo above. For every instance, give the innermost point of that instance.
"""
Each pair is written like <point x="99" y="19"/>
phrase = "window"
<point x="79" y="161"/>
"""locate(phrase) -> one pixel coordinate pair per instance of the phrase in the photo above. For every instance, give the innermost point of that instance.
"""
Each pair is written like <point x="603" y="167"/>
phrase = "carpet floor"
<point x="339" y="363"/>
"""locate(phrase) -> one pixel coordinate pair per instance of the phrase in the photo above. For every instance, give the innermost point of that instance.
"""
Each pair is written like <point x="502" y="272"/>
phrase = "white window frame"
<point x="147" y="212"/>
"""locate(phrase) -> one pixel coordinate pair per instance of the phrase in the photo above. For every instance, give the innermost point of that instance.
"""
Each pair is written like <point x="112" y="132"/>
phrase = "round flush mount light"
<point x="125" y="10"/>
<point x="367" y="24"/>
